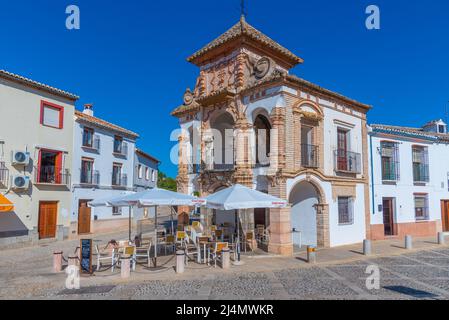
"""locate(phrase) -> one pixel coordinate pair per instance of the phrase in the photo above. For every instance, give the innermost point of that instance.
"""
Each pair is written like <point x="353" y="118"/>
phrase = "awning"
<point x="5" y="204"/>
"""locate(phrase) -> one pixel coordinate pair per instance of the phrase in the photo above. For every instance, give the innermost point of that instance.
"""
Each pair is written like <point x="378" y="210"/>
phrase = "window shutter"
<point x="51" y="116"/>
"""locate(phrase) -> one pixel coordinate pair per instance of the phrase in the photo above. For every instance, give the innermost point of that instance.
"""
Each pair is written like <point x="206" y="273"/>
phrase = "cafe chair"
<point x="143" y="252"/>
<point x="249" y="237"/>
<point x="170" y="243"/>
<point x="216" y="252"/>
<point x="108" y="254"/>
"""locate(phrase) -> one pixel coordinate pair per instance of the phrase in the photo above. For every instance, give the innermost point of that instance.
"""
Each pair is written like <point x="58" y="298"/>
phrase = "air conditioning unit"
<point x="20" y="182"/>
<point x="20" y="157"/>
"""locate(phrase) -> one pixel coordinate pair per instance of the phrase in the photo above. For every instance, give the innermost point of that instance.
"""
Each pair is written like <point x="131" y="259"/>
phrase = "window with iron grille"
<point x="390" y="161"/>
<point x="345" y="211"/>
<point x="421" y="206"/>
<point x="420" y="164"/>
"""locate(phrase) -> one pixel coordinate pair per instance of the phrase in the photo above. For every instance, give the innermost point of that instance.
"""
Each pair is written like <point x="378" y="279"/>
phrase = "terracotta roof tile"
<point x="14" y="77"/>
<point x="418" y="132"/>
<point x="104" y="124"/>
<point x="242" y="28"/>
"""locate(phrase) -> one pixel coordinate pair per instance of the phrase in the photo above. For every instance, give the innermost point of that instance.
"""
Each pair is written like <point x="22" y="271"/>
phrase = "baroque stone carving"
<point x="262" y="67"/>
<point x="188" y="97"/>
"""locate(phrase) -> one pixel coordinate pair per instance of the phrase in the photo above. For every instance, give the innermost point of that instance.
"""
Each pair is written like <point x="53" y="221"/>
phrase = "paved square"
<point x="422" y="274"/>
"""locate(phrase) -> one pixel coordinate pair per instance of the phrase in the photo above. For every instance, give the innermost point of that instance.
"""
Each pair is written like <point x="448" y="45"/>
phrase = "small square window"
<point x="52" y="115"/>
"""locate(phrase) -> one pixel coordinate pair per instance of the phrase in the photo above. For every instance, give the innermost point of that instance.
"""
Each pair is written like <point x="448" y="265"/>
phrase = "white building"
<point x="103" y="167"/>
<point x="36" y="143"/>
<point x="409" y="184"/>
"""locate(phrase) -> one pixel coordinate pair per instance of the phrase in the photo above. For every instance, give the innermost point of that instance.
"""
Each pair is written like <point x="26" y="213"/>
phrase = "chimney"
<point x="89" y="109"/>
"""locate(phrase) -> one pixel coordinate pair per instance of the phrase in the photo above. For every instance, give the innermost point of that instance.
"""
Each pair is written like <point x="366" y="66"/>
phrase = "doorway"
<point x="388" y="215"/>
<point x="84" y="217"/>
<point x="304" y="197"/>
<point x="47" y="219"/>
<point x="445" y="215"/>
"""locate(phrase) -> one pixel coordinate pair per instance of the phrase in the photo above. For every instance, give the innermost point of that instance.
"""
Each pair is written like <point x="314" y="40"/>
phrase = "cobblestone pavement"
<point x="26" y="274"/>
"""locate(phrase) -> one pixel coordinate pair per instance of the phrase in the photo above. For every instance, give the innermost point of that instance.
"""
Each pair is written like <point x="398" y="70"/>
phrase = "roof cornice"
<point x="37" y="85"/>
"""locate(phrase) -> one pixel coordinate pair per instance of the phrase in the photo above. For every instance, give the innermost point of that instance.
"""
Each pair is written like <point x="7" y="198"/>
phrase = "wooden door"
<point x="388" y="217"/>
<point x="48" y="211"/>
<point x="445" y="215"/>
<point x="84" y="217"/>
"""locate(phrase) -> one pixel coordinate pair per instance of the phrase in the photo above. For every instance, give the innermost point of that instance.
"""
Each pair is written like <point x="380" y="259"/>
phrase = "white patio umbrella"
<point x="154" y="198"/>
<point x="105" y="202"/>
<point x="240" y="197"/>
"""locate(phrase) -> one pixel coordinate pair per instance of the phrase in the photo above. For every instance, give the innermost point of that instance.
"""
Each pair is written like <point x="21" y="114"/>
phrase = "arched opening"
<point x="262" y="128"/>
<point x="303" y="198"/>
<point x="221" y="155"/>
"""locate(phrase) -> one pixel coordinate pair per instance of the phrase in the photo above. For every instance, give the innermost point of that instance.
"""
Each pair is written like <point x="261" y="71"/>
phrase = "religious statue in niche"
<point x="209" y="152"/>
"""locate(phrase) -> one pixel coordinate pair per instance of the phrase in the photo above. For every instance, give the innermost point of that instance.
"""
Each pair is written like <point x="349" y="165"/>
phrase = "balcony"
<point x="48" y="175"/>
<point x="4" y="174"/>
<point x="120" y="149"/>
<point x="219" y="167"/>
<point x="348" y="162"/>
<point x="90" y="178"/>
<point x="94" y="145"/>
<point x="120" y="181"/>
<point x="309" y="156"/>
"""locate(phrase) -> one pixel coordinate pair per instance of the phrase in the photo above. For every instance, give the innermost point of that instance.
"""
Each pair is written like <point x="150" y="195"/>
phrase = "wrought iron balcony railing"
<point x="309" y="156"/>
<point x="346" y="161"/>
<point x="51" y="176"/>
<point x="120" y="181"/>
<point x="90" y="178"/>
<point x="121" y="149"/>
<point x="4" y="174"/>
<point x="94" y="145"/>
<point x="421" y="173"/>
<point x="218" y="167"/>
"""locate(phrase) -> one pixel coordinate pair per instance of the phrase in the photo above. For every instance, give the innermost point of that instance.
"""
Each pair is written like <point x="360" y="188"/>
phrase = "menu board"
<point x="86" y="256"/>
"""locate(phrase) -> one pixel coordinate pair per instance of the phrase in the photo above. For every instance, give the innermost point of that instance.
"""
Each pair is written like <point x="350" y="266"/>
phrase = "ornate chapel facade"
<point x="315" y="141"/>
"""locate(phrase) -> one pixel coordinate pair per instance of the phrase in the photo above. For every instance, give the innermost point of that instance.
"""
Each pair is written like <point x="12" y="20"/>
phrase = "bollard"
<point x="72" y="261"/>
<point x="311" y="254"/>
<point x="180" y="256"/>
<point x="57" y="261"/>
<point x="408" y="242"/>
<point x="226" y="258"/>
<point x="125" y="265"/>
<point x="78" y="252"/>
<point x="366" y="247"/>
<point x="441" y="239"/>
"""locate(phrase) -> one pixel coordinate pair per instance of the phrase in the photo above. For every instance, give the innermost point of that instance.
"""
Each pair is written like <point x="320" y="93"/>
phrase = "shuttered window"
<point x="421" y="207"/>
<point x="51" y="115"/>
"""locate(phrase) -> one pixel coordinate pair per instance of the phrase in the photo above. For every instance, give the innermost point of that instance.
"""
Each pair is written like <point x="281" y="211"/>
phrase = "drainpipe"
<point x="372" y="174"/>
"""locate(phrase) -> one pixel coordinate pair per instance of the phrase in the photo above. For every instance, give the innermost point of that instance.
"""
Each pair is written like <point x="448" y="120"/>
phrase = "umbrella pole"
<point x="238" y="262"/>
<point x="129" y="223"/>
<point x="171" y="217"/>
<point x="238" y="235"/>
<point x="155" y="237"/>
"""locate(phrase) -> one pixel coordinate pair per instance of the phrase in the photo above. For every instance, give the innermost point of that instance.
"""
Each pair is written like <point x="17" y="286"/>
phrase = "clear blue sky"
<point x="129" y="56"/>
